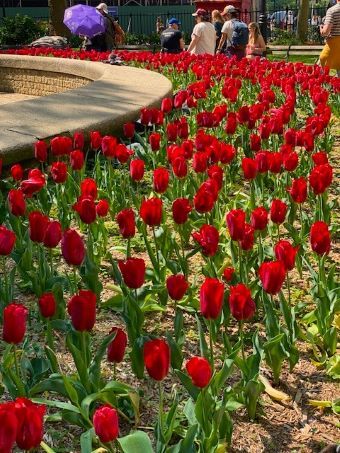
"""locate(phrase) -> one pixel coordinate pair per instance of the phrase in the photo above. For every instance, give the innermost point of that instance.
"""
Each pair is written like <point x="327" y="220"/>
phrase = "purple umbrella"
<point x="84" y="20"/>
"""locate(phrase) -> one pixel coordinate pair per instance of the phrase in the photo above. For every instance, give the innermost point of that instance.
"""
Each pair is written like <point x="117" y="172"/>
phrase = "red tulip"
<point x="14" y="323"/>
<point x="53" y="234"/>
<point x="278" y="211"/>
<point x="320" y="238"/>
<point x="102" y="208"/>
<point x="16" y="202"/>
<point x="199" y="370"/>
<point x="259" y="218"/>
<point x="34" y="183"/>
<point x="298" y="190"/>
<point x="8" y="427"/>
<point x="179" y="167"/>
<point x="151" y="211"/>
<point x="108" y="145"/>
<point x="88" y="186"/>
<point x="247" y="242"/>
<point x="7" y="241"/>
<point x="105" y="422"/>
<point x="205" y="197"/>
<point x="275" y="162"/>
<point x="72" y="247"/>
<point x="160" y="179"/>
<point x="228" y="152"/>
<point x="166" y="105"/>
<point x="180" y="210"/>
<point x="137" y="167"/>
<point x="129" y="130"/>
<point x="82" y="309"/>
<point x="61" y="145"/>
<point x="320" y="178"/>
<point x="177" y="286"/>
<point x="291" y="161"/>
<point x="40" y="151"/>
<point x="86" y="208"/>
<point x="320" y="158"/>
<point x="17" y="172"/>
<point x="157" y="358"/>
<point x="78" y="140"/>
<point x="255" y="142"/>
<point x="59" y="172"/>
<point x="30" y="418"/>
<point x="249" y="167"/>
<point x="47" y="305"/>
<point x="286" y="253"/>
<point x="207" y="238"/>
<point x="123" y="153"/>
<point x="95" y="139"/>
<point x="200" y="162"/>
<point x="272" y="275"/>
<point x="211" y="298"/>
<point x="126" y="223"/>
<point x="116" y="349"/>
<point x="77" y="160"/>
<point x="133" y="272"/>
<point x="236" y="224"/>
<point x="228" y="273"/>
<point x="262" y="160"/>
<point x="242" y="306"/>
<point x="154" y="140"/>
<point x="171" y="132"/>
<point x="38" y="224"/>
<point x="216" y="173"/>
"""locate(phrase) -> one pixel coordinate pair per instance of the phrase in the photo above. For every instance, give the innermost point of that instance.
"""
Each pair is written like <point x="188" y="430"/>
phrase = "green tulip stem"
<point x="288" y="287"/>
<point x="16" y="360"/>
<point x="241" y="335"/>
<point x="161" y="404"/>
<point x="51" y="260"/>
<point x="4" y="272"/>
<point x="114" y="371"/>
<point x="301" y="223"/>
<point x="212" y="359"/>
<point x="240" y="262"/>
<point x="49" y="335"/>
<point x="278" y="231"/>
<point x="128" y="248"/>
<point x="156" y="248"/>
<point x="75" y="279"/>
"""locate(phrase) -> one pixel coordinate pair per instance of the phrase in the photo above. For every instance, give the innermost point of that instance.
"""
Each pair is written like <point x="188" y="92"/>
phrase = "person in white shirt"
<point x="203" y="38"/>
<point x="226" y="45"/>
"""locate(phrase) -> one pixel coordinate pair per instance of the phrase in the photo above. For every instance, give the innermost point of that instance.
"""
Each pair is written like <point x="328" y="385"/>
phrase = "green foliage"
<point x="20" y="30"/>
<point x="284" y="38"/>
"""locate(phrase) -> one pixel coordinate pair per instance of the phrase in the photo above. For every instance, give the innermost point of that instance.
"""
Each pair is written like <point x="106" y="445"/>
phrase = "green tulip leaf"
<point x="136" y="442"/>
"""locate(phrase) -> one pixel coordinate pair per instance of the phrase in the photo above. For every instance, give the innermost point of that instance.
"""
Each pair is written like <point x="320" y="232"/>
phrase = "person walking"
<point x="330" y="55"/>
<point x="203" y="37"/>
<point x="235" y="33"/>
<point x="217" y="21"/>
<point x="256" y="46"/>
<point x="112" y="36"/>
<point x="171" y="38"/>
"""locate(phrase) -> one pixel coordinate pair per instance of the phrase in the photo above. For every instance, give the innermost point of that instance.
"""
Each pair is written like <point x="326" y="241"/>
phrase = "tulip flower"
<point x="40" y="151"/>
<point x="8" y="427"/>
<point x="34" y="183"/>
<point x="16" y="202"/>
<point x="102" y="208"/>
<point x="53" y="234"/>
<point x="95" y="139"/>
<point x="38" y="223"/>
<point x="105" y="422"/>
<point x="123" y="153"/>
<point x="72" y="247"/>
<point x="242" y="306"/>
<point x="249" y="167"/>
<point x="7" y="241"/>
<point x="137" y="167"/>
<point x="78" y="140"/>
<point x="77" y="160"/>
<point x="30" y="418"/>
<point x="236" y="224"/>
<point x="14" y="323"/>
<point x="272" y="275"/>
<point x="129" y="130"/>
<point x="179" y="167"/>
<point x="200" y="162"/>
<point x="86" y="208"/>
<point x="320" y="158"/>
<point x="204" y="199"/>
<point x="298" y="190"/>
<point x="133" y="272"/>
<point x="126" y="223"/>
<point x="82" y="309"/>
<point x="171" y="132"/>
<point x="109" y="145"/>
<point x="320" y="178"/>
<point x="160" y="179"/>
<point x="154" y="140"/>
<point x="47" y="305"/>
<point x="166" y="105"/>
<point x="207" y="238"/>
<point x="177" y="286"/>
<point x="61" y="146"/>
<point x="211" y="298"/>
<point x="320" y="238"/>
<point x="157" y="358"/>
<point x="199" y="370"/>
<point x="17" y="172"/>
<point x="228" y="273"/>
<point x="180" y="210"/>
<point x="247" y="242"/>
<point x="151" y="211"/>
<point x="259" y="218"/>
<point x="286" y="253"/>
<point x="278" y="211"/>
<point x="88" y="186"/>
<point x="116" y="349"/>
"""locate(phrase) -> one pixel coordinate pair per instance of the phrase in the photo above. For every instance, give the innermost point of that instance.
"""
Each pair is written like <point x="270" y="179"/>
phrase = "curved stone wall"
<point x="109" y="97"/>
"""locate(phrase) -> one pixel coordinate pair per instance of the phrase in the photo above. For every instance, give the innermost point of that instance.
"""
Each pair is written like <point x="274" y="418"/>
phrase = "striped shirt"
<point x="333" y="18"/>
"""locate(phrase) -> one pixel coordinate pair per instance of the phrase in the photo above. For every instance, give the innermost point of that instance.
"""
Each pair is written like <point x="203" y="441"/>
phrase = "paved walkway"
<point x="115" y="96"/>
<point x="7" y="98"/>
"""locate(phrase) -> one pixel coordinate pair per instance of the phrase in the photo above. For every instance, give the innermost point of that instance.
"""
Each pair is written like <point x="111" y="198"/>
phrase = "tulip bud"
<point x="82" y="309"/>
<point x="157" y="358"/>
<point x="116" y="349"/>
<point x="199" y="370"/>
<point x="105" y="422"/>
<point x="14" y="323"/>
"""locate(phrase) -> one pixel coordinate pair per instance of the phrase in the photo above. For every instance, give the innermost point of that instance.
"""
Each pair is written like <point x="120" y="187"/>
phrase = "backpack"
<point x="240" y="34"/>
<point x="119" y="34"/>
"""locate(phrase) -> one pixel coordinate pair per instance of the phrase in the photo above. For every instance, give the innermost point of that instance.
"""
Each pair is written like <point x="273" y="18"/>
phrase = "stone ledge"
<point x="113" y="96"/>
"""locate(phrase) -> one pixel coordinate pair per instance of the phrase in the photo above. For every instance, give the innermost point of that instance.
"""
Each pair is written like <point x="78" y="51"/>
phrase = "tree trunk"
<point x="302" y="21"/>
<point x="56" y="25"/>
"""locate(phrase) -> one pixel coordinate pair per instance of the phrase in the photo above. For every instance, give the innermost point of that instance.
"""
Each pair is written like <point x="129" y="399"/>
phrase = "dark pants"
<point x="235" y="52"/>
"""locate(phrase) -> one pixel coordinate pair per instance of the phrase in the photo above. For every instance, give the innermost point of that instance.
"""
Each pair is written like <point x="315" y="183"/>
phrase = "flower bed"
<point x="202" y="237"/>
